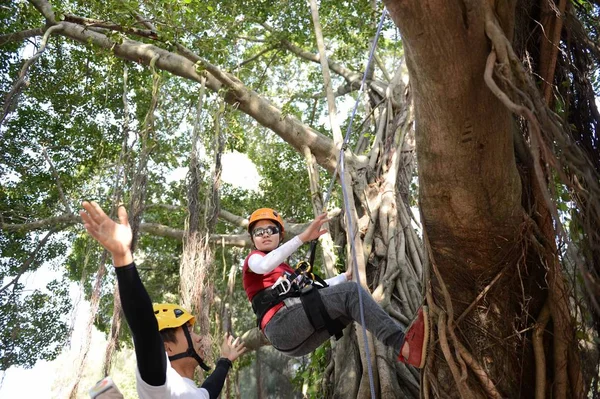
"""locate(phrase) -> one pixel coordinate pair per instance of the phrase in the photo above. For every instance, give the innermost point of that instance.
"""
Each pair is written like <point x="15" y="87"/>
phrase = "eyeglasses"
<point x="270" y="230"/>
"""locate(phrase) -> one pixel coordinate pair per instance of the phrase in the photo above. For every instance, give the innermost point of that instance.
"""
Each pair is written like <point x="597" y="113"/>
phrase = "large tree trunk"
<point x="471" y="197"/>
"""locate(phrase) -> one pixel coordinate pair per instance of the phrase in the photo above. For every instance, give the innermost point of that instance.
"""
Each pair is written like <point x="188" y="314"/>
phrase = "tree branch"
<point x="42" y="223"/>
<point x="242" y="97"/>
<point x="264" y="112"/>
<point x="96" y="23"/>
<point x="249" y="60"/>
<point x="239" y="240"/>
<point x="348" y="75"/>
<point x="20" y="36"/>
<point x="45" y="8"/>
<point x="144" y="21"/>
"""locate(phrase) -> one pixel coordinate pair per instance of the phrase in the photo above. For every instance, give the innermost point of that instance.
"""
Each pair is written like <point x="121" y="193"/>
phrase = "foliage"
<point x="33" y="327"/>
<point x="310" y="373"/>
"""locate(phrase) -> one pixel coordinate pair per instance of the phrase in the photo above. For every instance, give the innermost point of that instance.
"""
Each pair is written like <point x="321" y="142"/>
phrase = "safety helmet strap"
<point x="190" y="352"/>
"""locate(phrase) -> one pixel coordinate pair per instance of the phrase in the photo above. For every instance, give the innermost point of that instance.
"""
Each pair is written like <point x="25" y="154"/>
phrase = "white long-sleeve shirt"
<point x="261" y="264"/>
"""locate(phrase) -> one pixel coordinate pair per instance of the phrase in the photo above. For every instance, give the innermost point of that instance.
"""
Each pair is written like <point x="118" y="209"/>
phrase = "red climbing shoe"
<point x="417" y="338"/>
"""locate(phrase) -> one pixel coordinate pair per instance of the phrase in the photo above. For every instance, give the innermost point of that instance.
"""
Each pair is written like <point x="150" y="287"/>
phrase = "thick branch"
<point x="96" y="23"/>
<point x="287" y="127"/>
<point x="45" y="9"/>
<point x="227" y="216"/>
<point x="20" y="36"/>
<point x="240" y="240"/>
<point x="42" y="224"/>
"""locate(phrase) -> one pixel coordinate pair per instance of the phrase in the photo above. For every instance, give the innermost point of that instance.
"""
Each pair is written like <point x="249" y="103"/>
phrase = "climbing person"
<point x="297" y="315"/>
<point x="158" y="328"/>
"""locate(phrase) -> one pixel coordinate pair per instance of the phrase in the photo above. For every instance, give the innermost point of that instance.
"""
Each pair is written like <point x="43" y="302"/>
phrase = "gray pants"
<point x="291" y="333"/>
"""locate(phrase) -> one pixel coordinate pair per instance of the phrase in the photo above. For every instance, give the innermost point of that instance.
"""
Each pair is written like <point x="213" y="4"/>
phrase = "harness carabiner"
<point x="282" y="285"/>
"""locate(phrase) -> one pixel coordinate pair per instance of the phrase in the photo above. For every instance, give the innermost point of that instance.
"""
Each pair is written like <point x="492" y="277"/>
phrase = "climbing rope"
<point x="340" y="168"/>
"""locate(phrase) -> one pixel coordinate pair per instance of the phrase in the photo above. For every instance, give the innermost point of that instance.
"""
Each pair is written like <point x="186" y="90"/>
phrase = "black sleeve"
<point x="214" y="383"/>
<point x="137" y="307"/>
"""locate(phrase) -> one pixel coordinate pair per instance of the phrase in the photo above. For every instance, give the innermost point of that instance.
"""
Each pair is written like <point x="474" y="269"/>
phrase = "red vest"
<point x="254" y="283"/>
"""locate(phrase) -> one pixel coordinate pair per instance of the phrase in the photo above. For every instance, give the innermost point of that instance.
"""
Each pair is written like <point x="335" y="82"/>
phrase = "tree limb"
<point x="348" y="75"/>
<point x="42" y="223"/>
<point x="20" y="36"/>
<point x="287" y="127"/>
<point x="96" y="23"/>
<point x="260" y="54"/>
<point x="45" y="8"/>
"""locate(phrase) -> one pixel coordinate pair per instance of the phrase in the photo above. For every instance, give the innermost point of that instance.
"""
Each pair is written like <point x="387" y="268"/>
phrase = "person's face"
<point x="174" y="348"/>
<point x="263" y="241"/>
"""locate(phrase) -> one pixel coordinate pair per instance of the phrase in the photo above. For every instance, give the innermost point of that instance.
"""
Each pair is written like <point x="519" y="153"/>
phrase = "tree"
<point x="484" y="185"/>
<point x="491" y="158"/>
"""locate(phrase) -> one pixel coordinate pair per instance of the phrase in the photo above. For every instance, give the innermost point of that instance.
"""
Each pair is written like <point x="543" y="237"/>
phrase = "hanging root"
<point x="554" y="154"/>
<point x="194" y="282"/>
<point x="538" y="350"/>
<point x="446" y="326"/>
<point x="461" y="384"/>
<point x="486" y="382"/>
<point x="94" y="305"/>
<point x="115" y="329"/>
<point x="448" y="338"/>
<point x="545" y="127"/>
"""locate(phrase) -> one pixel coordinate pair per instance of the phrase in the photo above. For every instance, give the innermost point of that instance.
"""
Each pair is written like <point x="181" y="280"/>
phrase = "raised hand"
<point x="115" y="237"/>
<point x="314" y="231"/>
<point x="232" y="348"/>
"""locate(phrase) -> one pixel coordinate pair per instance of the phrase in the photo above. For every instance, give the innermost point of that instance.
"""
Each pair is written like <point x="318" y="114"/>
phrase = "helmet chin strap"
<point x="190" y="352"/>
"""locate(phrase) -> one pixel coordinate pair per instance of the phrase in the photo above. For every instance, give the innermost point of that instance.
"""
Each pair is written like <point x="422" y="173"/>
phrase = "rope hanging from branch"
<point x="340" y="166"/>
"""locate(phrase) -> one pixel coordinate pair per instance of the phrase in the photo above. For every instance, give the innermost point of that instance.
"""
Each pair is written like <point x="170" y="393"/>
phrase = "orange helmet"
<point x="265" y="214"/>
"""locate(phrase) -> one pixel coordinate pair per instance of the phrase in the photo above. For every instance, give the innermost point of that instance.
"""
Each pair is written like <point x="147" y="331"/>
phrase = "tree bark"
<point x="471" y="196"/>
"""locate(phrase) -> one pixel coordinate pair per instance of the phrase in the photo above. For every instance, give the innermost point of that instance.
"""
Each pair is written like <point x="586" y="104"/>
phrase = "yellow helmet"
<point x="170" y="315"/>
<point x="265" y="214"/>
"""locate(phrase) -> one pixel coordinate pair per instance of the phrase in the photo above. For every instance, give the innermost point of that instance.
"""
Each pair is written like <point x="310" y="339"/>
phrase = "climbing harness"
<point x="303" y="284"/>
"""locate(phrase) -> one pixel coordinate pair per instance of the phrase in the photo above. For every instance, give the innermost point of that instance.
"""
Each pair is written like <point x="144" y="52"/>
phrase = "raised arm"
<point x="261" y="264"/>
<point x="137" y="306"/>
